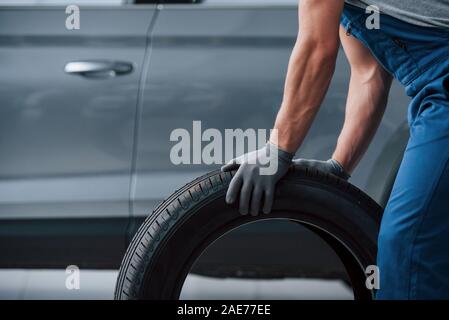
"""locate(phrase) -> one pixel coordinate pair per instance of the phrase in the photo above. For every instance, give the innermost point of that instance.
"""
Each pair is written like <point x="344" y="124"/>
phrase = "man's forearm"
<point x="366" y="102"/>
<point x="310" y="70"/>
<point x="309" y="74"/>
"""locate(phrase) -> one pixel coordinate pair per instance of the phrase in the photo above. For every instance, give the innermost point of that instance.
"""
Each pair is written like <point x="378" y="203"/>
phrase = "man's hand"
<point x="330" y="166"/>
<point x="256" y="178"/>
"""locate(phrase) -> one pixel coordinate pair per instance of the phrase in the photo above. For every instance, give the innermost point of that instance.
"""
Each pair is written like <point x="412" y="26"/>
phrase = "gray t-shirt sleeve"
<point x="427" y="13"/>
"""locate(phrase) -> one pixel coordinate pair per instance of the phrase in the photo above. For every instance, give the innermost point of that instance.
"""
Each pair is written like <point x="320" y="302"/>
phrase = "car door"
<point x="67" y="119"/>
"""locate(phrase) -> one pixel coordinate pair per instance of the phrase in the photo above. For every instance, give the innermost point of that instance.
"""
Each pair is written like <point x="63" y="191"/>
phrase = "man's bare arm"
<point x="310" y="70"/>
<point x="367" y="98"/>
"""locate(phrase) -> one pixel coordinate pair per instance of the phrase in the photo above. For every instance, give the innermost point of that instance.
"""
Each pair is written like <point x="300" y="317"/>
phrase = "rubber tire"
<point x="171" y="238"/>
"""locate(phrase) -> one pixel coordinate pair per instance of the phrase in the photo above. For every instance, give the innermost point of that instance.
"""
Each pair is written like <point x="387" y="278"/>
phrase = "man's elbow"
<point x="322" y="51"/>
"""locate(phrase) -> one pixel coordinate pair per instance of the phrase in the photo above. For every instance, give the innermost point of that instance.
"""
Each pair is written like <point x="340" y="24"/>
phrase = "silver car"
<point x="86" y="115"/>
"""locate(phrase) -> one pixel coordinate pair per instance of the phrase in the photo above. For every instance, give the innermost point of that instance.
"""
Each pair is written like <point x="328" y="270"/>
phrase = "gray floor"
<point x="94" y="284"/>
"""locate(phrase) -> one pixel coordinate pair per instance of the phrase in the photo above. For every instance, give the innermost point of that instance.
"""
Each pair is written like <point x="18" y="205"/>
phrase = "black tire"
<point x="170" y="240"/>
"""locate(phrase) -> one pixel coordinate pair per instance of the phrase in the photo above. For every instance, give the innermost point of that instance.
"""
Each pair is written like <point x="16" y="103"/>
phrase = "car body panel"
<point x="66" y="141"/>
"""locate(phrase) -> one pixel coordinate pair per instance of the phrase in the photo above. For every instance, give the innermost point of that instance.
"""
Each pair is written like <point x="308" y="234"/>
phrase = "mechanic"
<point x="411" y="45"/>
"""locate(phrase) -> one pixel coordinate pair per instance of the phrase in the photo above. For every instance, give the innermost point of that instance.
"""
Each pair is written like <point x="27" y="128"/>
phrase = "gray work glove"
<point x="256" y="177"/>
<point x="330" y="166"/>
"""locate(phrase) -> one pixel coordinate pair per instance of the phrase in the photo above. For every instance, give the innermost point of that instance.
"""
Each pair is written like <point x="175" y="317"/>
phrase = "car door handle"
<point x="98" y="69"/>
